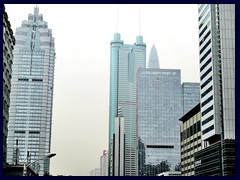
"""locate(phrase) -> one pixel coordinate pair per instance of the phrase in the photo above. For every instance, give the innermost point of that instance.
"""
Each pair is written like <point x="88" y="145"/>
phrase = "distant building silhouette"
<point x="95" y="172"/>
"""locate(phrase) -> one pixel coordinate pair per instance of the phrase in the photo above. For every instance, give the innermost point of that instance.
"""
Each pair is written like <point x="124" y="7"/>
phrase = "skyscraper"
<point x="159" y="106"/>
<point x="32" y="93"/>
<point x="153" y="59"/>
<point x="217" y="79"/>
<point x="125" y="61"/>
<point x="161" y="101"/>
<point x="8" y="44"/>
<point x="217" y="71"/>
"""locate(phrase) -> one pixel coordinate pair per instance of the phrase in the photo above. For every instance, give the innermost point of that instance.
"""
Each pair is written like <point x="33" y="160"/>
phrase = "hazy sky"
<point x="82" y="68"/>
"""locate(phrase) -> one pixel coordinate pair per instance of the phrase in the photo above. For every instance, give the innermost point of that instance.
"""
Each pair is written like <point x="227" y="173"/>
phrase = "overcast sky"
<point x="82" y="67"/>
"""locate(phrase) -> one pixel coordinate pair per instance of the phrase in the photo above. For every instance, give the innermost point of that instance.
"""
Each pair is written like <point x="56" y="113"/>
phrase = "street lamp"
<point x="25" y="165"/>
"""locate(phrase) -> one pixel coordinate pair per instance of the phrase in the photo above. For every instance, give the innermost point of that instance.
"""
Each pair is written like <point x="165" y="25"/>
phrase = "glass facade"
<point x="217" y="70"/>
<point x="125" y="61"/>
<point x="159" y="107"/>
<point x="191" y="95"/>
<point x="32" y="92"/>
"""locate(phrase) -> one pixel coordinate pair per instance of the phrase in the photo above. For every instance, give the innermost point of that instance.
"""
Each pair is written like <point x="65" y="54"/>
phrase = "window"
<point x="205" y="55"/>
<point x="208" y="129"/>
<point x="206" y="92"/>
<point x="207" y="110"/>
<point x="206" y="73"/>
<point x="207" y="120"/>
<point x="207" y="101"/>
<point x="205" y="46"/>
<point x="22" y="79"/>
<point x="206" y="82"/>
<point x="205" y="65"/>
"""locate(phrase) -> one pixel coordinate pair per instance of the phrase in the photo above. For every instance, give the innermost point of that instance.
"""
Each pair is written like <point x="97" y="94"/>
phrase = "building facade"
<point x="159" y="106"/>
<point x="191" y="140"/>
<point x="191" y="95"/>
<point x="217" y="159"/>
<point x="161" y="101"/>
<point x="32" y="93"/>
<point x="118" y="147"/>
<point x="8" y="46"/>
<point x="217" y="79"/>
<point x="217" y="71"/>
<point x="125" y="61"/>
<point x="104" y="164"/>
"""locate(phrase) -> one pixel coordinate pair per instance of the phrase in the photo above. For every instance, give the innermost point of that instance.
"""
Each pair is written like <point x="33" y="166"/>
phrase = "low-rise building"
<point x="191" y="141"/>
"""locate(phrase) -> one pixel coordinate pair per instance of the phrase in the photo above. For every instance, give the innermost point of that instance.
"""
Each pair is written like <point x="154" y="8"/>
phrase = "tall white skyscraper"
<point x="31" y="97"/>
<point x="217" y="71"/>
<point x="217" y="80"/>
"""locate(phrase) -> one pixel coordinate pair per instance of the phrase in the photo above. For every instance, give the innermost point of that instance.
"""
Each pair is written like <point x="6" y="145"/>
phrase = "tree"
<point x="178" y="167"/>
<point x="164" y="166"/>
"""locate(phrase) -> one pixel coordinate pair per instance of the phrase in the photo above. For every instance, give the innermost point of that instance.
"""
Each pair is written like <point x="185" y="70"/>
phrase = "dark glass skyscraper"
<point x="159" y="106"/>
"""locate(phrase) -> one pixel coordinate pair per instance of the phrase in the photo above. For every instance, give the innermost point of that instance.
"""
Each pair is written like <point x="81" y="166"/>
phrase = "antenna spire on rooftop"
<point x="139" y="22"/>
<point x="117" y="18"/>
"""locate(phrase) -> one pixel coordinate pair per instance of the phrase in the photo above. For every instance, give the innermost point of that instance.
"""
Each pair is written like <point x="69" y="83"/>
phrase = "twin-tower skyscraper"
<point x="125" y="62"/>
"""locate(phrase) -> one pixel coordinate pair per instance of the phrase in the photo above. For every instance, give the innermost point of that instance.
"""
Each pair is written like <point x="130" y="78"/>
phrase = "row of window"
<point x="204" y="38"/>
<point x="205" y="55"/>
<point x="206" y="92"/>
<point x="187" y="157"/>
<point x="208" y="129"/>
<point x="206" y="73"/>
<point x="190" y="131"/>
<point x="204" y="29"/>
<point x="205" y="65"/>
<point x="159" y="146"/>
<point x="207" y="110"/>
<point x="190" y="142"/>
<point x="190" y="149"/>
<point x="204" y="20"/>
<point x="207" y="101"/>
<point x="200" y="8"/>
<point x="208" y="120"/>
<point x="203" y="13"/>
<point x="187" y="171"/>
<point x="25" y="79"/>
<point x="206" y="82"/>
<point x="205" y="46"/>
